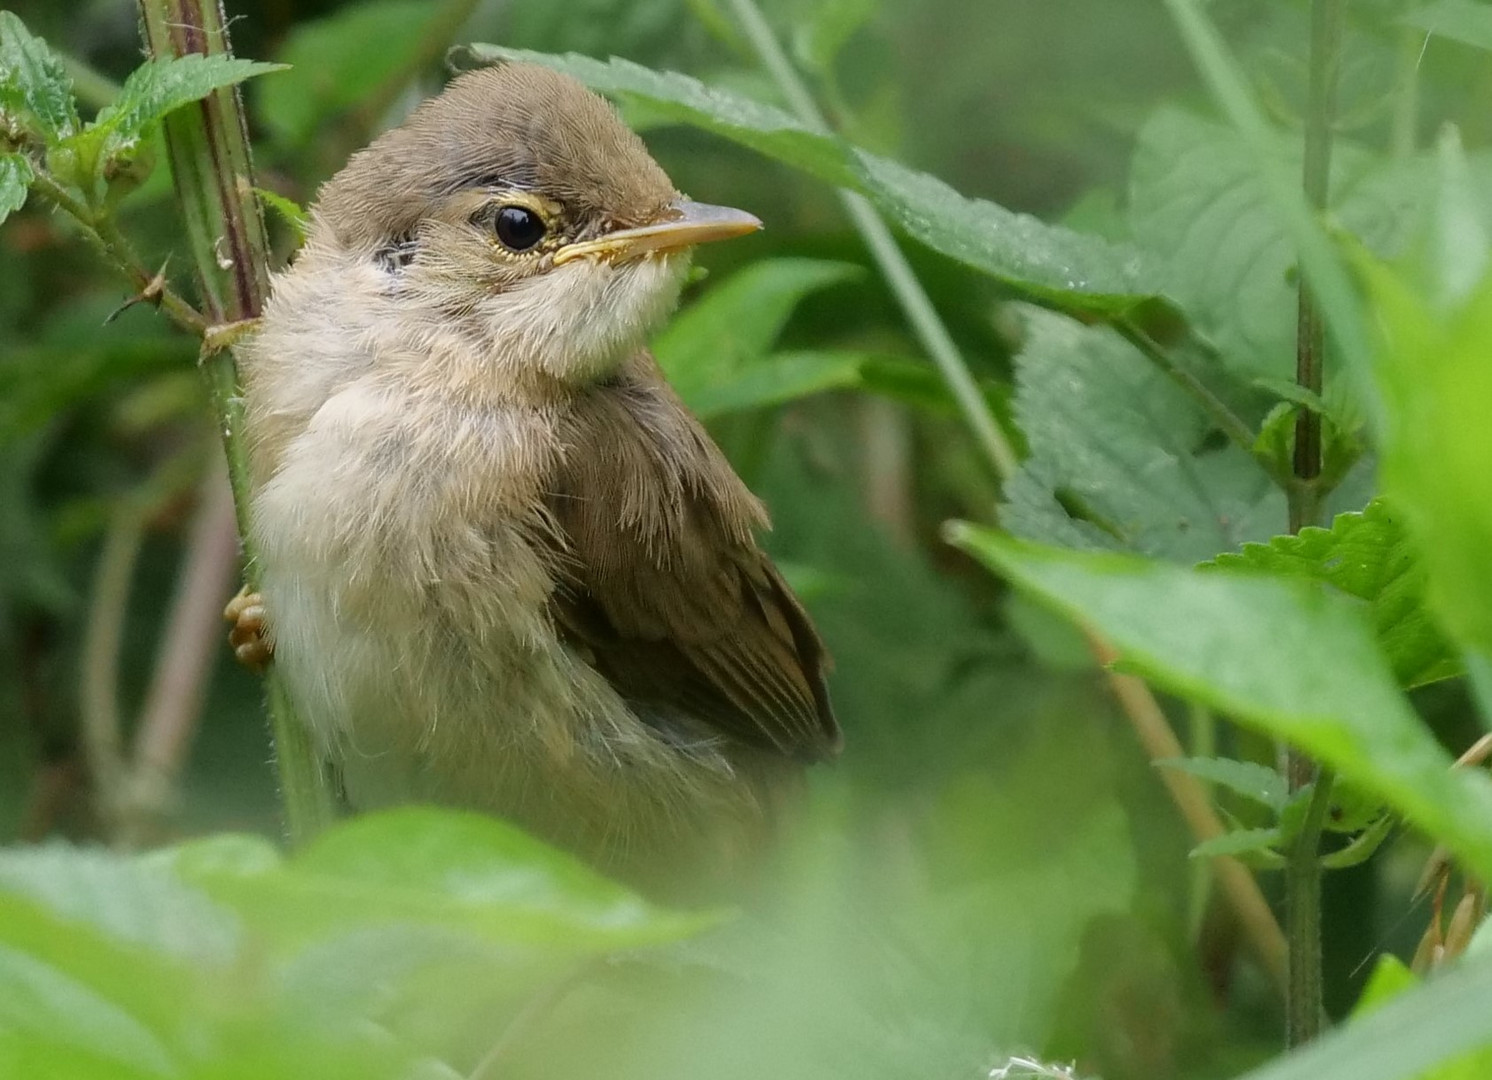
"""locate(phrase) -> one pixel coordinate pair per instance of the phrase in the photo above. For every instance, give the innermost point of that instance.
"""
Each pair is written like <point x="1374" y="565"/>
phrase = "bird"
<point x="501" y="566"/>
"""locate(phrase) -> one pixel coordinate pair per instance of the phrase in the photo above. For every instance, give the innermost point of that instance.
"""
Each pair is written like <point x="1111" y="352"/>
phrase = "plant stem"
<point x="916" y="305"/>
<point x="1303" y="1006"/>
<point x="1303" y="1002"/>
<point x="211" y="165"/>
<point x="105" y="236"/>
<point x="102" y="735"/>
<point x="1310" y="342"/>
<point x="1228" y="422"/>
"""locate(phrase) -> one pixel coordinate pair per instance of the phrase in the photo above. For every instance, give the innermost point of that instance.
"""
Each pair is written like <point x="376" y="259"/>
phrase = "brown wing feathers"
<point x="667" y="593"/>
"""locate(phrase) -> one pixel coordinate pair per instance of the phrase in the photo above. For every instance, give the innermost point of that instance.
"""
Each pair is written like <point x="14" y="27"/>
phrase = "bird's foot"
<point x="248" y="637"/>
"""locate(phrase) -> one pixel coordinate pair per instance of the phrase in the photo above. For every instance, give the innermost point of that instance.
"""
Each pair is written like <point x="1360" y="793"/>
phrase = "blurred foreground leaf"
<point x="445" y="869"/>
<point x="1297" y="661"/>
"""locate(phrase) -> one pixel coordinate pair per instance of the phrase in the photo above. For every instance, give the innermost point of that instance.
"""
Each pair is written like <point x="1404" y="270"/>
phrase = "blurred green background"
<point x="1015" y="869"/>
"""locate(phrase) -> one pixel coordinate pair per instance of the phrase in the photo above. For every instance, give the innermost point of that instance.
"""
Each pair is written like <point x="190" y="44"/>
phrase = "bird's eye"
<point x="518" y="228"/>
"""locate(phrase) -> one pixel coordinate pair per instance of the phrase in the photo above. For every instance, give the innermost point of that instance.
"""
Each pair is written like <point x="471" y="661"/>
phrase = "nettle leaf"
<point x="1249" y="779"/>
<point x="15" y="180"/>
<point x="1201" y="205"/>
<point x="1371" y="556"/>
<point x="1254" y="846"/>
<point x="159" y="87"/>
<point x="1044" y="261"/>
<point x="439" y="869"/>
<point x="1117" y="456"/>
<point x="36" y="93"/>
<point x="1294" y="659"/>
<point x="340" y="61"/>
<point x="1465" y="21"/>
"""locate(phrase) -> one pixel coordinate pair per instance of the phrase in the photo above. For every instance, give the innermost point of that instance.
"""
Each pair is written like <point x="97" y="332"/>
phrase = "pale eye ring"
<point x="518" y="227"/>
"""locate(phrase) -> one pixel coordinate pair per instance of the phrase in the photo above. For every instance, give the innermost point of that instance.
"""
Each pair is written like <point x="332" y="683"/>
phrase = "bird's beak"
<point x="685" y="224"/>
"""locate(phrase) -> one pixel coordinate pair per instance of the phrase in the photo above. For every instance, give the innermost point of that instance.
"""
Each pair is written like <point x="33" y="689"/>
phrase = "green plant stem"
<point x="104" y="235"/>
<point x="915" y="303"/>
<point x="1304" y="1009"/>
<point x="1303" y="1006"/>
<point x="1229" y="423"/>
<point x="211" y="165"/>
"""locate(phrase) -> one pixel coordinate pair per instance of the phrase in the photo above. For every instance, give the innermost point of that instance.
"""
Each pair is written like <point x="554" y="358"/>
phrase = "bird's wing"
<point x="662" y="586"/>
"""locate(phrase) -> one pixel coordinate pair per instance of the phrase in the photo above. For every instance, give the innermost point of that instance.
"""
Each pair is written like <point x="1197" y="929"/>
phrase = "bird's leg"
<point x="245" y="614"/>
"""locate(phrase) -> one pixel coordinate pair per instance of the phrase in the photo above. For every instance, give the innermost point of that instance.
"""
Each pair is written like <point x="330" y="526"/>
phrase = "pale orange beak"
<point x="686" y="224"/>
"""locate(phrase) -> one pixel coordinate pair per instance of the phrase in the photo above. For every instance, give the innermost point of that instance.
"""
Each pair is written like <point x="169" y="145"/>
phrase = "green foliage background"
<point x="994" y="868"/>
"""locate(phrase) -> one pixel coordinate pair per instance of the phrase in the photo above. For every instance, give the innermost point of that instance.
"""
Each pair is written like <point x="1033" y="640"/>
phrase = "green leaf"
<point x="1362" y="847"/>
<point x="1203" y="207"/>
<point x="1293" y="659"/>
<point x="290" y="211"/>
<point x="1044" y="261"/>
<point x="161" y="86"/>
<point x="1371" y="556"/>
<point x="35" y="91"/>
<point x="15" y="181"/>
<point x="1115" y="458"/>
<point x="1255" y="846"/>
<point x="339" y="62"/>
<point x="776" y="380"/>
<point x="1436" y="450"/>
<point x="822" y="32"/>
<point x="736" y="322"/>
<point x="66" y="983"/>
<point x="1249" y="779"/>
<point x="439" y="869"/>
<point x="1404" y="1038"/>
<point x="1458" y="20"/>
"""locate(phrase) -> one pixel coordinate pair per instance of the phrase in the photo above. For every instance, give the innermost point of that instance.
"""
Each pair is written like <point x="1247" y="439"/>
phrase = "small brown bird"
<point x="502" y="566"/>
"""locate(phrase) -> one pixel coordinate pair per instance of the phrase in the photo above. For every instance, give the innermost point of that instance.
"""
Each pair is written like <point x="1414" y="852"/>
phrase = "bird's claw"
<point x="248" y="637"/>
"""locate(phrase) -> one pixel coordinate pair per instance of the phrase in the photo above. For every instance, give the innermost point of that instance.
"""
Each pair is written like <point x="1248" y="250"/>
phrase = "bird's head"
<point x="518" y="203"/>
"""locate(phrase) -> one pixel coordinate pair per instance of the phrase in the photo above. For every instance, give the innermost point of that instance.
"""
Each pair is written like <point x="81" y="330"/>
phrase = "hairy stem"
<point x="1303" y="873"/>
<point x="916" y="305"/>
<point x="211" y="165"/>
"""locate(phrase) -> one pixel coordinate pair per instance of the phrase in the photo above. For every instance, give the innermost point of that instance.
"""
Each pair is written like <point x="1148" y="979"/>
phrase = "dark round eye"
<point x="518" y="228"/>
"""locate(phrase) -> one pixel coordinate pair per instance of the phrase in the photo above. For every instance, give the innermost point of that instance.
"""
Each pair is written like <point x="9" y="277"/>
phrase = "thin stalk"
<point x="1304" y="1010"/>
<point x="916" y="305"/>
<point x="103" y="738"/>
<point x="1303" y="1006"/>
<point x="212" y="169"/>
<point x="173" y="706"/>
<point x="1228" y="422"/>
